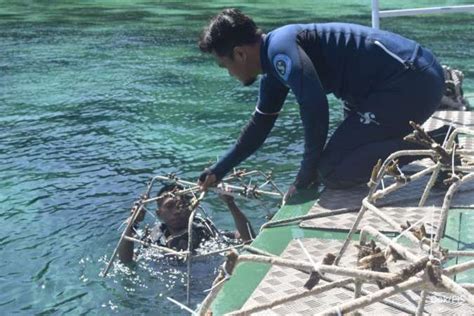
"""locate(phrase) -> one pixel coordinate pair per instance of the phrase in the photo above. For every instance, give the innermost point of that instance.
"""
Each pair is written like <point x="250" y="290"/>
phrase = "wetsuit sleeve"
<point x="296" y="70"/>
<point x="271" y="97"/>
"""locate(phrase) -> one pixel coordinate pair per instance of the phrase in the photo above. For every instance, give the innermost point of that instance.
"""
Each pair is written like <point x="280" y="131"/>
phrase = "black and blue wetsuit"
<point x="203" y="230"/>
<point x="384" y="79"/>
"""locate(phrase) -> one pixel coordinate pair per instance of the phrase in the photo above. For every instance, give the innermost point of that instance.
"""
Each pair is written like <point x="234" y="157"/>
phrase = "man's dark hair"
<point x="183" y="200"/>
<point x="170" y="187"/>
<point x="228" y="29"/>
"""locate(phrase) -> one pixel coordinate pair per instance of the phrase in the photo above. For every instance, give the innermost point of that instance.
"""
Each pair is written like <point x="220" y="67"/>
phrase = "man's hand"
<point x="140" y="216"/>
<point x="300" y="184"/>
<point x="292" y="190"/>
<point x="207" y="179"/>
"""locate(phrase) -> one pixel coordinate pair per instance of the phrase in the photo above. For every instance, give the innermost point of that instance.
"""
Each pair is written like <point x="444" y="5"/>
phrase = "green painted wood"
<point x="451" y="235"/>
<point x="466" y="242"/>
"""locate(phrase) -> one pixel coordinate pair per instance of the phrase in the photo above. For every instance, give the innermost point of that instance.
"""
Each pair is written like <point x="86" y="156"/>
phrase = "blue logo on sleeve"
<point x="282" y="64"/>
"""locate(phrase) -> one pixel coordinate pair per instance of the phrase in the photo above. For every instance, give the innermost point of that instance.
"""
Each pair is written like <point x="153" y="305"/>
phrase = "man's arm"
<point x="125" y="250"/>
<point x="271" y="97"/>
<point x="296" y="70"/>
<point x="244" y="228"/>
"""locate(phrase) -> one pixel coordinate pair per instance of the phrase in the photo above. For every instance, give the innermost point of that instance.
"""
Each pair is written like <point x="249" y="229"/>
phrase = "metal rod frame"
<point x="419" y="281"/>
<point x="191" y="188"/>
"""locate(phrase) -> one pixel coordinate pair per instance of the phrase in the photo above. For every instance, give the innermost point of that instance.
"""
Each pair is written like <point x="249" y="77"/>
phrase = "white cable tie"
<point x="123" y="223"/>
<point x="217" y="284"/>
<point x="447" y="136"/>
<point x="400" y="170"/>
<point x="182" y="306"/>
<point x="135" y="230"/>
<point x="452" y="160"/>
<point x="305" y="251"/>
<point x="194" y="197"/>
<point x="264" y="184"/>
<point x="408" y="229"/>
<point x="146" y="210"/>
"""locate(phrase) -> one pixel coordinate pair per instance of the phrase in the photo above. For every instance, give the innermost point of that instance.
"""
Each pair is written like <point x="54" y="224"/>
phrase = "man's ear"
<point x="240" y="53"/>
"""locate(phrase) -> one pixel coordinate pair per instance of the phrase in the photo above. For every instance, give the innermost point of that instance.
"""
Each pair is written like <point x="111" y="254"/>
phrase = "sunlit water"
<point x="96" y="97"/>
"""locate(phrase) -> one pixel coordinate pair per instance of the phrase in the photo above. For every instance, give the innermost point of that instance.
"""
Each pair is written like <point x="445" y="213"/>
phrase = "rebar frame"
<point x="226" y="187"/>
<point x="374" y="194"/>
<point x="416" y="282"/>
<point x="423" y="270"/>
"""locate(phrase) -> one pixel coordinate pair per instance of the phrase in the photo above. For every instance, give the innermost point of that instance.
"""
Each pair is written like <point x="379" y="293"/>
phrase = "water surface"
<point x="97" y="96"/>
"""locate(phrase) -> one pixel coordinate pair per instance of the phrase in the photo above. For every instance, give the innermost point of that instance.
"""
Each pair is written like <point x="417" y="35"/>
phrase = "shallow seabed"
<point x="97" y="96"/>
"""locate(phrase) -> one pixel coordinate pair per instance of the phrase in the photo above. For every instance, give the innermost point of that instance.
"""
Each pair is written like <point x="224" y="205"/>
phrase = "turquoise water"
<point x="96" y="97"/>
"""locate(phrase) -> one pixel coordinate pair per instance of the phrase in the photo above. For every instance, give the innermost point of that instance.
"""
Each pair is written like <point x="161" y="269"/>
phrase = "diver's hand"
<point x="207" y="179"/>
<point x="292" y="190"/>
<point x="140" y="216"/>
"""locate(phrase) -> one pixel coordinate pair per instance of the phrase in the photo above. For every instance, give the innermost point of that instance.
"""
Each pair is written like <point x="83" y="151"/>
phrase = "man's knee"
<point x="339" y="171"/>
<point x="334" y="174"/>
<point x="341" y="181"/>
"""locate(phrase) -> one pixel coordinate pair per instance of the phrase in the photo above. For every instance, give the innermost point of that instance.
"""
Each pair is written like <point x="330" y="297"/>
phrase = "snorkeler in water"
<point x="174" y="212"/>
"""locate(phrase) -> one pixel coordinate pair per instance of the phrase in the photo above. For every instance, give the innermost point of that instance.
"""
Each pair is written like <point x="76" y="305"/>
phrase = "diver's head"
<point x="173" y="210"/>
<point x="234" y="40"/>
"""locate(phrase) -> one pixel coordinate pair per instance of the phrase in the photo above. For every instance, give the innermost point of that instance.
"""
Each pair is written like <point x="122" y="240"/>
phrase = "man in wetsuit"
<point x="384" y="80"/>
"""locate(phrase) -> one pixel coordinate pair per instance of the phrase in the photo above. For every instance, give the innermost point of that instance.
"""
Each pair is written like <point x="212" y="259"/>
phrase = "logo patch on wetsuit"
<point x="281" y="67"/>
<point x="282" y="64"/>
<point x="367" y="118"/>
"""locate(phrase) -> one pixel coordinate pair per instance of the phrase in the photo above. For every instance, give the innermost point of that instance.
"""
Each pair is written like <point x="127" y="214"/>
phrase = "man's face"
<point x="173" y="213"/>
<point x="238" y="67"/>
